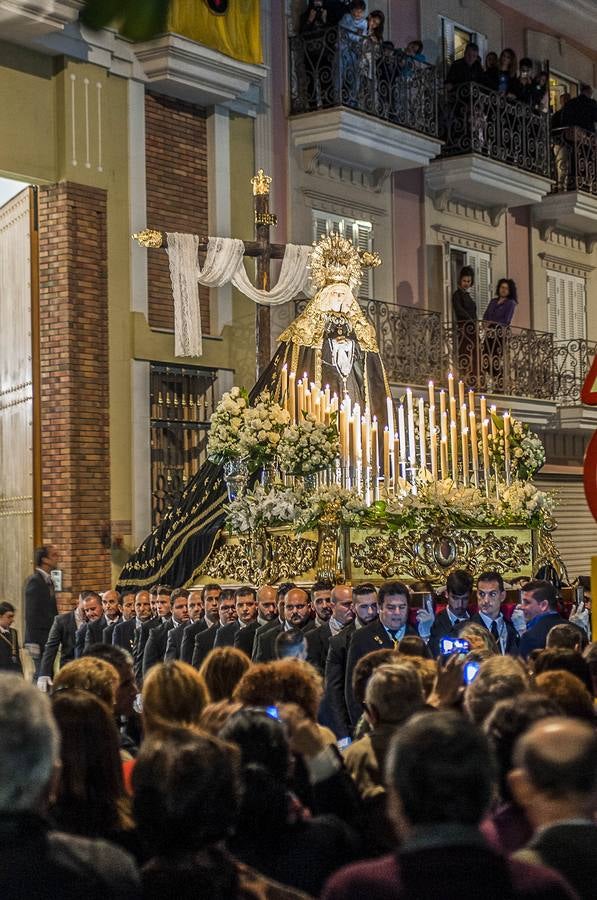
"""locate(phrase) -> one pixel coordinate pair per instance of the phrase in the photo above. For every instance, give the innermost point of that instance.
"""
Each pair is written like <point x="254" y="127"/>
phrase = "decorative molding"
<point x="590" y="242"/>
<point x="567" y="266"/>
<point x="355" y="209"/>
<point x="441" y="199"/>
<point x="311" y="157"/>
<point x="458" y="238"/>
<point x="547" y="228"/>
<point x="379" y="178"/>
<point x="485" y="182"/>
<point x="496" y="214"/>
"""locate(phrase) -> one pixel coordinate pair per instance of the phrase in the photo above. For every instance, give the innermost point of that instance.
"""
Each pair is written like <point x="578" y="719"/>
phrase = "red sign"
<point x="588" y="395"/>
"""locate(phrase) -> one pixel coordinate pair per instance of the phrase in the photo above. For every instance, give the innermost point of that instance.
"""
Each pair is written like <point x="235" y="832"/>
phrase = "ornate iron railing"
<point x="574" y="160"/>
<point x="409" y="341"/>
<point x="480" y="120"/>
<point x="572" y="361"/>
<point x="336" y="67"/>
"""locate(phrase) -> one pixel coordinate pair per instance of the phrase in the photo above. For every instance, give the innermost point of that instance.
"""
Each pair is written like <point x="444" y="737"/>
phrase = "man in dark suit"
<point x="321" y="601"/>
<point x="176" y="635"/>
<point x="40" y="604"/>
<point x="267" y="609"/>
<point x="245" y="601"/>
<point x="124" y="632"/>
<point x="62" y="637"/>
<point x="364" y="599"/>
<point x="205" y="640"/>
<point x="437" y="770"/>
<point x="458" y="593"/>
<point x="385" y="632"/>
<point x="158" y="637"/>
<point x="554" y="780"/>
<point x="10" y="659"/>
<point x="94" y="615"/>
<point x="490" y="596"/>
<point x="276" y="621"/>
<point x="112" y="613"/>
<point x="210" y="598"/>
<point x="161" y="604"/>
<point x="341" y="614"/>
<point x="539" y="605"/>
<point x="297" y="614"/>
<point x="127" y="608"/>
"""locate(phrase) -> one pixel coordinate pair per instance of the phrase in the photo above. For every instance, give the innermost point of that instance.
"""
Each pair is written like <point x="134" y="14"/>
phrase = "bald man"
<point x="342" y="613"/>
<point x="298" y="613"/>
<point x="124" y="632"/>
<point x="554" y="780"/>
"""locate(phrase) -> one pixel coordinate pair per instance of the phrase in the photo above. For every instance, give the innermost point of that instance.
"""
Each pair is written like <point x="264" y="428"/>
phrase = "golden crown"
<point x="335" y="260"/>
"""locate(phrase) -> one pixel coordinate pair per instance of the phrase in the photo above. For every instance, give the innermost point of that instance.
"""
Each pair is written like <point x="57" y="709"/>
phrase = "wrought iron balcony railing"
<point x="336" y="67"/>
<point x="480" y="120"/>
<point x="416" y="346"/>
<point x="575" y="160"/>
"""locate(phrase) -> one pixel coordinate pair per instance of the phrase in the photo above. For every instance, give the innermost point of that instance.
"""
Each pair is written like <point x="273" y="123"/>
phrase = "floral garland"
<point x="338" y="504"/>
<point x="263" y="508"/>
<point x="241" y="431"/>
<point x="308" y="447"/>
<point x="527" y="454"/>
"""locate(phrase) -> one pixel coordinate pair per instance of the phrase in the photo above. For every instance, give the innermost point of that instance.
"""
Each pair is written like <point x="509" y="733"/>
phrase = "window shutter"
<point x="320" y="225"/>
<point x="566" y="306"/>
<point x="552" y="304"/>
<point x="362" y="238"/>
<point x="481" y="264"/>
<point x="580" y="313"/>
<point x="447" y="44"/>
<point x="360" y="233"/>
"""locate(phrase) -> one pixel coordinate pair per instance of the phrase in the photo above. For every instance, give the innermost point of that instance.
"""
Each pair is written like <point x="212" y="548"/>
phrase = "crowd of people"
<point x="340" y="741"/>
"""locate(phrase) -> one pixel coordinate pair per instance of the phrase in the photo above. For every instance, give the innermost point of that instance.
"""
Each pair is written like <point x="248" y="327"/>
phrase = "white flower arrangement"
<point x="226" y="422"/>
<point x="308" y="447"/>
<point x="263" y="508"/>
<point x="348" y="507"/>
<point x="527" y="453"/>
<point x="523" y="503"/>
<point x="261" y="429"/>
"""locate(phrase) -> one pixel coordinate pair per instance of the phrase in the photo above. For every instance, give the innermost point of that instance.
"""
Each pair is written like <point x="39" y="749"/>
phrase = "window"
<point x="566" y="306"/>
<point x="455" y="37"/>
<point x="481" y="264"/>
<point x="359" y="232"/>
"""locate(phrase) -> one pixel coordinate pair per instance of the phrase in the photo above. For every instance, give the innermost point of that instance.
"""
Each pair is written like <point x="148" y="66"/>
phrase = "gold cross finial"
<point x="261" y="183"/>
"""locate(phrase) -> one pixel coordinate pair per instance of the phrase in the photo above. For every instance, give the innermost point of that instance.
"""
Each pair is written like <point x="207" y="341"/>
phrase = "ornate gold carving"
<point x="424" y="554"/>
<point x="308" y="329"/>
<point x="265" y="218"/>
<point x="149" y="238"/>
<point x="335" y="260"/>
<point x="261" y="183"/>
<point x="547" y="554"/>
<point x="262" y="557"/>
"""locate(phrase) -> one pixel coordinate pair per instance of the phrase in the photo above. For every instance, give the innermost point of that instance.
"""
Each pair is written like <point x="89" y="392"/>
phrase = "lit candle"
<point x="327" y="395"/>
<point x="452" y="408"/>
<point x="317" y="405"/>
<point x="347" y="418"/>
<point x="431" y="393"/>
<point x="342" y="435"/>
<point x="454" y="448"/>
<point x="358" y="452"/>
<point x="402" y="433"/>
<point x="284" y="387"/>
<point x="412" y="452"/>
<point x="485" y="445"/>
<point x="444" y="426"/>
<point x="443" y="452"/>
<point x="308" y="405"/>
<point x="442" y="404"/>
<point x="386" y="456"/>
<point x="433" y="441"/>
<point x="507" y="445"/>
<point x="375" y="444"/>
<point x="422" y="442"/>
<point x="463" y="417"/>
<point x="465" y="466"/>
<point x="301" y="400"/>
<point x="390" y="414"/>
<point x="460" y="392"/>
<point x="493" y="410"/>
<point x="395" y="472"/>
<point x="450" y="385"/>
<point x="366" y="437"/>
<point x="483" y="408"/>
<point x="474" y="446"/>
<point x="292" y="396"/>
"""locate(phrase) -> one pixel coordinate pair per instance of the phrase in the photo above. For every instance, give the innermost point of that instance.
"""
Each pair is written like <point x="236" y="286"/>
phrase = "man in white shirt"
<point x="490" y="596"/>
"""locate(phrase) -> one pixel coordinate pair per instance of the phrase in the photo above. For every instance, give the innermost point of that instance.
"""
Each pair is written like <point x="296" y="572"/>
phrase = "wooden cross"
<point x="260" y="249"/>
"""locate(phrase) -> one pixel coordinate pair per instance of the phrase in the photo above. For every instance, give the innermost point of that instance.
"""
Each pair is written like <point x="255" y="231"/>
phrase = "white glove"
<point x="425" y="619"/>
<point x="33" y="650"/>
<point x="519" y="621"/>
<point x="44" y="683"/>
<point x="579" y="615"/>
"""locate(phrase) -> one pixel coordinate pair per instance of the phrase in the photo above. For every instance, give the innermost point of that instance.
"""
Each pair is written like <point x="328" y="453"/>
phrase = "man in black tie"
<point x="124" y="632"/>
<point x="10" y="659"/>
<point x="275" y="621"/>
<point x="127" y="608"/>
<point x="297" y="614"/>
<point x="240" y="634"/>
<point x="385" y="632"/>
<point x="158" y="637"/>
<point x="176" y="635"/>
<point x="112" y="613"/>
<point x="204" y="641"/>
<point x="62" y="637"/>
<point x="490" y="596"/>
<point x="159" y="601"/>
<point x="211" y="600"/>
<point x="458" y="592"/>
<point x="40" y="604"/>
<point x="94" y="613"/>
<point x="318" y="638"/>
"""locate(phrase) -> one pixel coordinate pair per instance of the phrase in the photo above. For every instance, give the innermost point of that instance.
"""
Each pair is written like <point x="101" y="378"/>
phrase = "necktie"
<point x="495" y="633"/>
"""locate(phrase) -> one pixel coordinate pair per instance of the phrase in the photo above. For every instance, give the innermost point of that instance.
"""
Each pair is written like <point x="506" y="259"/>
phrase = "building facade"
<point x="100" y="423"/>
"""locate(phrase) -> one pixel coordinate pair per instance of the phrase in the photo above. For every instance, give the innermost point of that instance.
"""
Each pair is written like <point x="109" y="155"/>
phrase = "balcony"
<point x="30" y="24"/>
<point x="356" y="103"/>
<point x="496" y="152"/>
<point x="573" y="202"/>
<point x="571" y="364"/>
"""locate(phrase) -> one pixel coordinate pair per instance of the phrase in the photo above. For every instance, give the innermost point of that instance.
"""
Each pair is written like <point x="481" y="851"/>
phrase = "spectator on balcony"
<point x="467" y="69"/>
<point x="501" y="309"/>
<point x="353" y="25"/>
<point x="414" y="49"/>
<point x="372" y="51"/>
<point x="317" y="53"/>
<point x="491" y="63"/>
<point x="561" y="149"/>
<point x="532" y="89"/>
<point x="315" y="17"/>
<point x="498" y="316"/>
<point x="504" y="79"/>
<point x="581" y="111"/>
<point x="464" y="311"/>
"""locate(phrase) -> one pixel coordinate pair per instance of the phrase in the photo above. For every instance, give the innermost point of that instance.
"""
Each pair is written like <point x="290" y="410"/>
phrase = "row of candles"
<point x="452" y="442"/>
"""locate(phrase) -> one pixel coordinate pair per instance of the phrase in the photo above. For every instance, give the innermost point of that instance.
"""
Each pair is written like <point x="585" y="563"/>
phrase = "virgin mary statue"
<point x="334" y="344"/>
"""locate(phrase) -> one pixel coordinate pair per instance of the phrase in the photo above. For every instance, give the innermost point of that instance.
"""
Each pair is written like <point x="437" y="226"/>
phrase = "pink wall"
<point x="517" y="248"/>
<point x="408" y="228"/>
<point x="279" y="80"/>
<point x="404" y="22"/>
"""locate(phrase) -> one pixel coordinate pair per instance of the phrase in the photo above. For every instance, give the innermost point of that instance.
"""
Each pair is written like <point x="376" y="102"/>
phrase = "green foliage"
<point x="139" y="20"/>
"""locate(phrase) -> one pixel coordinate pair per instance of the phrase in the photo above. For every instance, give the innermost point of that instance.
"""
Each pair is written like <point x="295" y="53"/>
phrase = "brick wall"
<point x="176" y="161"/>
<point x="74" y="382"/>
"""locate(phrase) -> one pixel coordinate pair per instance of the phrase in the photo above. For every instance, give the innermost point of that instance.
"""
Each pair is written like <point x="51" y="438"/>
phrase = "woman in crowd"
<point x="96" y="676"/>
<point x="504" y="78"/>
<point x="498" y="315"/>
<point x="90" y="800"/>
<point x="174" y="695"/>
<point x="222" y="670"/>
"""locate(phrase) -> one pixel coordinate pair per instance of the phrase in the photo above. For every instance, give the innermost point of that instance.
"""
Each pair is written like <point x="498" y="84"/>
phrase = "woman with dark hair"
<point x="90" y="800"/>
<point x="186" y="804"/>
<point x="274" y="833"/>
<point x="504" y="78"/>
<point x="375" y="26"/>
<point x="498" y="315"/>
<point x="464" y="312"/>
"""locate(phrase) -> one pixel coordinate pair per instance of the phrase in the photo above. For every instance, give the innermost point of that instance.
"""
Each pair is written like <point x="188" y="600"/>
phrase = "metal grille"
<point x="575" y="160"/>
<point x="182" y="401"/>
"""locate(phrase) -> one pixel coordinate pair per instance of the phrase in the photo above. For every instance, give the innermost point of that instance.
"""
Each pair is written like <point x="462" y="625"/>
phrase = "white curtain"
<point x="223" y="263"/>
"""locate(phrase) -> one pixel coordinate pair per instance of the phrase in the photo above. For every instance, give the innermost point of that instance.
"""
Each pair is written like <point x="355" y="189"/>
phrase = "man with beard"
<point x="297" y="614"/>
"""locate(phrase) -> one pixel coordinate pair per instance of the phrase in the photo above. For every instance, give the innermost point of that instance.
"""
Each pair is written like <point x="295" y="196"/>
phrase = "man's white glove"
<point x="425" y="619"/>
<point x="579" y="615"/>
<point x="519" y="621"/>
<point x="44" y="683"/>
